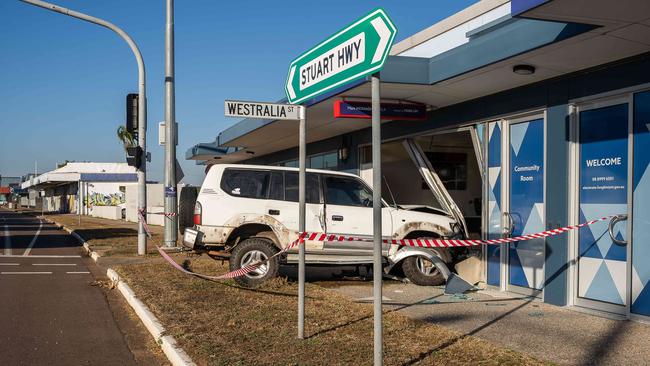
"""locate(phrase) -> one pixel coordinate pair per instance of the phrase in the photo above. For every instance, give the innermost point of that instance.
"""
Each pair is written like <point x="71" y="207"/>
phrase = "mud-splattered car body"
<point x="240" y="202"/>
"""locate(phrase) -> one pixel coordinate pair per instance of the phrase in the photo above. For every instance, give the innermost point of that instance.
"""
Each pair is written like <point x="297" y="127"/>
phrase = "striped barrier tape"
<point x="142" y="219"/>
<point x="427" y="243"/>
<point x="236" y="273"/>
<point x="166" y="214"/>
<point x="449" y="243"/>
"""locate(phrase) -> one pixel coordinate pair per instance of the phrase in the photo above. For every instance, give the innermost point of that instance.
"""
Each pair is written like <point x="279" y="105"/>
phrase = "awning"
<point x="55" y="179"/>
<point x="480" y="67"/>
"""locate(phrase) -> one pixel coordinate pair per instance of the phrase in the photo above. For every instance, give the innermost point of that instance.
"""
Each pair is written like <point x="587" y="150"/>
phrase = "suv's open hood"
<point x="433" y="181"/>
<point x="423" y="208"/>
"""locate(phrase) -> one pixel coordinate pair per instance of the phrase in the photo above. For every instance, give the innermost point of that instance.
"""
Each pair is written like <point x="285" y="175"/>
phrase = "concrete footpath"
<point x="552" y="333"/>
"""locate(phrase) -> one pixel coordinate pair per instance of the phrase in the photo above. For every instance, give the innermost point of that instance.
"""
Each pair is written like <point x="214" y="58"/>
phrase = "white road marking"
<point x="80" y="272"/>
<point x="53" y="264"/>
<point x="31" y="243"/>
<point x="7" y="241"/>
<point x="9" y="264"/>
<point x="40" y="256"/>
<point x="26" y="273"/>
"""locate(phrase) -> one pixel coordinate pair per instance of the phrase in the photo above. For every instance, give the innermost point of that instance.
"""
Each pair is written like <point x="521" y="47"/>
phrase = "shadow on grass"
<point x="354" y="321"/>
<point x="108" y="233"/>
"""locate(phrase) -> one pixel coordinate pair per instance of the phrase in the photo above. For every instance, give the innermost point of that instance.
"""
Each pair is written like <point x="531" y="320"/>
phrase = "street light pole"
<point x="171" y="220"/>
<point x="142" y="107"/>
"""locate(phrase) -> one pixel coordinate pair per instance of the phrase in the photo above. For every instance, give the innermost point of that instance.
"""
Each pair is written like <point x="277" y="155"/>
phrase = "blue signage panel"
<point x="494" y="203"/>
<point x="527" y="202"/>
<point x="641" y="208"/>
<point x="602" y="266"/>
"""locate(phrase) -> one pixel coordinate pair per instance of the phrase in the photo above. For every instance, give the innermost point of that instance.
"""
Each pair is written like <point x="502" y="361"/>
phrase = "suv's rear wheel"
<point x="421" y="271"/>
<point x="251" y="251"/>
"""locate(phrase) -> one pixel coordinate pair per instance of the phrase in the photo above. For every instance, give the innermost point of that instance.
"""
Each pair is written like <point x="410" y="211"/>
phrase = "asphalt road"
<point x="52" y="311"/>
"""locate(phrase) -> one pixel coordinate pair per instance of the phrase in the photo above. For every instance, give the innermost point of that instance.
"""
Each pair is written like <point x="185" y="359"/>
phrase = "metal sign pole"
<point x="302" y="160"/>
<point x="171" y="220"/>
<point x="377" y="270"/>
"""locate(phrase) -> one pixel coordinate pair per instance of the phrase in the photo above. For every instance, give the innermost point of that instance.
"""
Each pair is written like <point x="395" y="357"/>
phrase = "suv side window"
<point x="245" y="183"/>
<point x="312" y="187"/>
<point x="346" y="192"/>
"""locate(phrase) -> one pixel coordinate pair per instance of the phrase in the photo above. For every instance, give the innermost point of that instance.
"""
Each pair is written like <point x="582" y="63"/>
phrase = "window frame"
<point x="321" y="192"/>
<point x="359" y="180"/>
<point x="265" y="196"/>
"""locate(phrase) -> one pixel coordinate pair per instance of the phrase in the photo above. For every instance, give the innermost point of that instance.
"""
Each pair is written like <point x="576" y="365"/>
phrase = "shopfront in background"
<point x="609" y="175"/>
<point x="611" y="155"/>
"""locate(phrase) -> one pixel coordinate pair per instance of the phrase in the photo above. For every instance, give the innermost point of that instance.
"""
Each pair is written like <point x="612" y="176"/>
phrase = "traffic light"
<point x="134" y="156"/>
<point x="132" y="101"/>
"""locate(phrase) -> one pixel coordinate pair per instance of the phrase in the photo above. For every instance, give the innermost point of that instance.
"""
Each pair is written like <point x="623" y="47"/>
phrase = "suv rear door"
<point x="433" y="181"/>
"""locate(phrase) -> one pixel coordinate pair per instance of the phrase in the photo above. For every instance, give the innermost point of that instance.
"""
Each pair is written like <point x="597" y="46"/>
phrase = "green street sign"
<point x="359" y="49"/>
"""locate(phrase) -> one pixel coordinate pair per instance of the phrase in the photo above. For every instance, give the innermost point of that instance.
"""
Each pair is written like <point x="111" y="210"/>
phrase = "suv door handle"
<point x="274" y="212"/>
<point x="337" y="218"/>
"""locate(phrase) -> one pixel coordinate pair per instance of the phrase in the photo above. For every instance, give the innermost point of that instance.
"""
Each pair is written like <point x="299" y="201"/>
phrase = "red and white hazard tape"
<point x="428" y="243"/>
<point x="446" y="243"/>
<point x="236" y="273"/>
<point x="167" y="214"/>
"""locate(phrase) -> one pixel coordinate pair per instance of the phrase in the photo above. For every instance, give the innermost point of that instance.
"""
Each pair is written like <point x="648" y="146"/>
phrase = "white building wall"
<point x="455" y="36"/>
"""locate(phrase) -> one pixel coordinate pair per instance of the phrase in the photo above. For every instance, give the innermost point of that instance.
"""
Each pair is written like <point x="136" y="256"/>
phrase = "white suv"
<point x="247" y="213"/>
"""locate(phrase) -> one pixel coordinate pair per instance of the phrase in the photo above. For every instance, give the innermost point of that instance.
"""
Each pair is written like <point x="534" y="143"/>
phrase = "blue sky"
<point x="63" y="81"/>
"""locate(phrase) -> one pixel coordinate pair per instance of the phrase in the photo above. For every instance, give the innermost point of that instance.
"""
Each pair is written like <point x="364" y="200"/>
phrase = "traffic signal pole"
<point x="142" y="107"/>
<point x="171" y="203"/>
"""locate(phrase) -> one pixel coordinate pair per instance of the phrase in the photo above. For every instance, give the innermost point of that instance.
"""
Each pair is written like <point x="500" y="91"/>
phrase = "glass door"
<point x="524" y="210"/>
<point x="603" y="165"/>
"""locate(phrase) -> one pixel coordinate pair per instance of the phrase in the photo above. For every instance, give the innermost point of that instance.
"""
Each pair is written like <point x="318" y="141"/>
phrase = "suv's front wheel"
<point x="421" y="271"/>
<point x="251" y="251"/>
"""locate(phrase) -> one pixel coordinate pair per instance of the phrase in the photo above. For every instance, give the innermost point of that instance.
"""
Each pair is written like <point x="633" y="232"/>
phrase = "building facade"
<point x="538" y="117"/>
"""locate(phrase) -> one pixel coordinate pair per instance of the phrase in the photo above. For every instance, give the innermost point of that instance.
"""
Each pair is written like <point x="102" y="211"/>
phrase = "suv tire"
<point x="252" y="250"/>
<point x="186" y="204"/>
<point x="417" y="270"/>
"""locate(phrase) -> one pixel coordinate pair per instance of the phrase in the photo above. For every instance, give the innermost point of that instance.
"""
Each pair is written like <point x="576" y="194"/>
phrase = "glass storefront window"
<point x="328" y="161"/>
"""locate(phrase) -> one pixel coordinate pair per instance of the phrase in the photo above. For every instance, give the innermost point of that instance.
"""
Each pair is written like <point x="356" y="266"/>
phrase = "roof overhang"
<point x="49" y="180"/>
<point x="605" y="13"/>
<point x="480" y="67"/>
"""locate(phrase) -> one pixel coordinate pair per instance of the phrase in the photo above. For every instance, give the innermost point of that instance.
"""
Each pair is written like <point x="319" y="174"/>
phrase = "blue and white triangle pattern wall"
<point x="641" y="207"/>
<point x="602" y="266"/>
<point x="527" y="202"/>
<point x="494" y="203"/>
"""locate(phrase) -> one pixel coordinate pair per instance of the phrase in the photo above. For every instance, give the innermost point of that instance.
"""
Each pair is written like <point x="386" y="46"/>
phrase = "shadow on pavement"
<point x="452" y="341"/>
